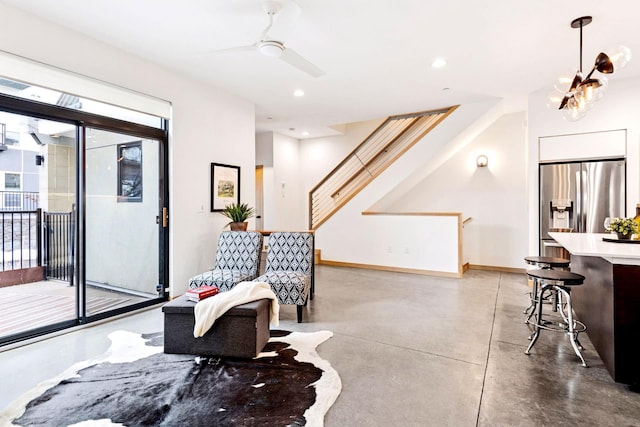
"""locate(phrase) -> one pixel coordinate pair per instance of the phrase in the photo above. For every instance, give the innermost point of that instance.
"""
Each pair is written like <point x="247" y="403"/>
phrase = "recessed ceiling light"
<point x="305" y="133"/>
<point x="439" y="63"/>
<point x="298" y="92"/>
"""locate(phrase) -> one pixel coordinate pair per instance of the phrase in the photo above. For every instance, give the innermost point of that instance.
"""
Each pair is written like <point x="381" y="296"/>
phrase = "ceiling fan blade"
<point x="291" y="57"/>
<point x="236" y="49"/>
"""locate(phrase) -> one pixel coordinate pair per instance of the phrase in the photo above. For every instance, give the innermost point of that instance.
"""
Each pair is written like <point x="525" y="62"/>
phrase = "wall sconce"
<point x="39" y="159"/>
<point x="482" y="161"/>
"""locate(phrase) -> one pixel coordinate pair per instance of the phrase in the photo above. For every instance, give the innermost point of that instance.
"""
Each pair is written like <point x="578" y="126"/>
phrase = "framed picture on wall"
<point x="225" y="186"/>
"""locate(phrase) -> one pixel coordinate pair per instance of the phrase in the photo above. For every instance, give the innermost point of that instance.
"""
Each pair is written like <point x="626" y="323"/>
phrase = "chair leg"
<point x="299" y="310"/>
<point x="313" y="285"/>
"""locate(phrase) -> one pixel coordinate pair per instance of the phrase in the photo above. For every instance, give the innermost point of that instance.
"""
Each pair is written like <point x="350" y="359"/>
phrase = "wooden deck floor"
<point x="32" y="305"/>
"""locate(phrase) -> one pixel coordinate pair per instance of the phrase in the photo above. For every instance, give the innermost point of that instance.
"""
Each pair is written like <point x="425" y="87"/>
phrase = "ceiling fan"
<point x="275" y="48"/>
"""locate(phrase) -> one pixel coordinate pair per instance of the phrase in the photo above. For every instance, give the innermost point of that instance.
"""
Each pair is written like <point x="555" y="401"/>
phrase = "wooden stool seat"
<point x="565" y="278"/>
<point x="547" y="261"/>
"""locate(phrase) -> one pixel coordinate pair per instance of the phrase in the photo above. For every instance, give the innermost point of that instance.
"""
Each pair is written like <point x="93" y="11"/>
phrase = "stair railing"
<point x="368" y="160"/>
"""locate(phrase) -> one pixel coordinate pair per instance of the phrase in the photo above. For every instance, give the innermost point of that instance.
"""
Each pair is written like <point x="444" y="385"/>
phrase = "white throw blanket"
<point x="209" y="309"/>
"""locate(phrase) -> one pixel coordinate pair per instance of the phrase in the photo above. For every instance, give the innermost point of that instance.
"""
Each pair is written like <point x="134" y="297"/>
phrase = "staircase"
<point x="380" y="149"/>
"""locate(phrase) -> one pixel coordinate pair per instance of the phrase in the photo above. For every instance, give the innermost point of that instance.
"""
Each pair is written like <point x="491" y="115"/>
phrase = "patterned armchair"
<point x="237" y="260"/>
<point x="289" y="268"/>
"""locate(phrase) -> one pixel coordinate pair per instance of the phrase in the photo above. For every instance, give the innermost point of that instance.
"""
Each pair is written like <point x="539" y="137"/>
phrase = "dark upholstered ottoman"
<point x="243" y="331"/>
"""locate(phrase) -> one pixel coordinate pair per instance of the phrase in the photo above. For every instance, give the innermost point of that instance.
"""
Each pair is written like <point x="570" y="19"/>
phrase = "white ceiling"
<point x="376" y="54"/>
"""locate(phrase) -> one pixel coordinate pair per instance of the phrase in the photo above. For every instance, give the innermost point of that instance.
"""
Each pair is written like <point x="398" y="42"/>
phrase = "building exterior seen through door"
<point x="85" y="216"/>
<point x="122" y="206"/>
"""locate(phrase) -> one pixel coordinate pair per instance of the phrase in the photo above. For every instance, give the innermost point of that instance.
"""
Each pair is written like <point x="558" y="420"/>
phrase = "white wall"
<point x="289" y="207"/>
<point x="264" y="149"/>
<point x="269" y="199"/>
<point x="207" y="125"/>
<point x="427" y="244"/>
<point x="347" y="235"/>
<point x="320" y="155"/>
<point x="494" y="196"/>
<point x="264" y="158"/>
<point x="618" y="109"/>
<point x="300" y="165"/>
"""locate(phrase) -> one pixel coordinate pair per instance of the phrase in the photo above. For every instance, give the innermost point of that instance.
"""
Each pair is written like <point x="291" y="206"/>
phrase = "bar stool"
<point x="547" y="262"/>
<point x="558" y="282"/>
<point x="542" y="262"/>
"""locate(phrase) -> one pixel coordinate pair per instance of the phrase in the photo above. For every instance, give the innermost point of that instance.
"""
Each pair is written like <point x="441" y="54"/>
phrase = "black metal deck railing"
<point x="35" y="238"/>
<point x="21" y="239"/>
<point x="59" y="244"/>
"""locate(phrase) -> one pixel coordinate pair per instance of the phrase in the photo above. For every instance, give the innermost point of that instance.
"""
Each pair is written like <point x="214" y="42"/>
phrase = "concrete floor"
<point x="411" y="351"/>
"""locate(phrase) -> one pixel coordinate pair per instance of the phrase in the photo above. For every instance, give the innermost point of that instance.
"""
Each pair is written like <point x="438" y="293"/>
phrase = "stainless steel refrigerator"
<point x="577" y="197"/>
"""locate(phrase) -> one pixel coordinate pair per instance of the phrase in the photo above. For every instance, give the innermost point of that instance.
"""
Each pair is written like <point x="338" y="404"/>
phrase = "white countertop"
<point x="591" y="244"/>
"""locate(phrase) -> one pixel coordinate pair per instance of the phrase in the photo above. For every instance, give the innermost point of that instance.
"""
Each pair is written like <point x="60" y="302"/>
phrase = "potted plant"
<point x="623" y="227"/>
<point x="238" y="213"/>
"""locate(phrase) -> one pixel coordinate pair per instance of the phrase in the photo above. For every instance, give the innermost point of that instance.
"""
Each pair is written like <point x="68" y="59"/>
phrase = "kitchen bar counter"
<point x="609" y="300"/>
<point x="591" y="244"/>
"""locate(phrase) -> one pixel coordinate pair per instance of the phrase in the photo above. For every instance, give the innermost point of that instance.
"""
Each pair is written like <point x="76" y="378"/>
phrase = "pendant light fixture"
<point x="577" y="93"/>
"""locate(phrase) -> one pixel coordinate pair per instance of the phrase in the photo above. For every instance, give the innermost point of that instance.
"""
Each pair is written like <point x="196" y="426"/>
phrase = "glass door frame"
<point x="82" y="120"/>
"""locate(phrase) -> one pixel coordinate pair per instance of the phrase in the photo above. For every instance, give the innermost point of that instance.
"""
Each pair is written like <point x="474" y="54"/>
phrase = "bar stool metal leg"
<point x="573" y="335"/>
<point x="538" y="324"/>
<point x="534" y="299"/>
<point x="561" y="307"/>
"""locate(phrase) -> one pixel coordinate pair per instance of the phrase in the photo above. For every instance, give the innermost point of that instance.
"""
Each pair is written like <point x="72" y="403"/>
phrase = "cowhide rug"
<point x="136" y="384"/>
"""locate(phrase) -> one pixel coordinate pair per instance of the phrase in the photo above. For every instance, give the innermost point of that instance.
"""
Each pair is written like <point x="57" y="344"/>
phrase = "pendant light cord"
<point x="580" y="46"/>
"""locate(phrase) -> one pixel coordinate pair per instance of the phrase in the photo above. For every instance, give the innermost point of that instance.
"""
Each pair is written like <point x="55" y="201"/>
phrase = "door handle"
<point x="165" y="218"/>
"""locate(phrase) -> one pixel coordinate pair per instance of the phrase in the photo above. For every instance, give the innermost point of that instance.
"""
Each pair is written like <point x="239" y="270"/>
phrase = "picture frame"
<point x="129" y="159"/>
<point x="225" y="186"/>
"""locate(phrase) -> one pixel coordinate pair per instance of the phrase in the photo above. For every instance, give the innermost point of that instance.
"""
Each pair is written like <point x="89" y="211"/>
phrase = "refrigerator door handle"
<point x="586" y="209"/>
<point x="579" y="213"/>
<point x="584" y="198"/>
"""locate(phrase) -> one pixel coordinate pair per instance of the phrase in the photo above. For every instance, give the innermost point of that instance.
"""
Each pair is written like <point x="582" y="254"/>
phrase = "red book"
<point x="198" y="294"/>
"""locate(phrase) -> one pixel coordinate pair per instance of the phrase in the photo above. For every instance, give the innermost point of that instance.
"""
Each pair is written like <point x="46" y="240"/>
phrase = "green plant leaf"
<point x="238" y="212"/>
<point x="623" y="225"/>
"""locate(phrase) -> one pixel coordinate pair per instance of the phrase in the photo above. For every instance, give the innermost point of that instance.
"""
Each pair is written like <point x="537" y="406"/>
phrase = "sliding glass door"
<point x="83" y="208"/>
<point x="122" y="219"/>
<point x="38" y="217"/>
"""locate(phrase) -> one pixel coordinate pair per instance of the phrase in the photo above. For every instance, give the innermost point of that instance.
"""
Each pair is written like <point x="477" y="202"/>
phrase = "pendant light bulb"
<point x="564" y="80"/>
<point x="593" y="89"/>
<point x="604" y="84"/>
<point x="554" y="99"/>
<point x="585" y="97"/>
<point x="574" y="110"/>
<point x="619" y="57"/>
